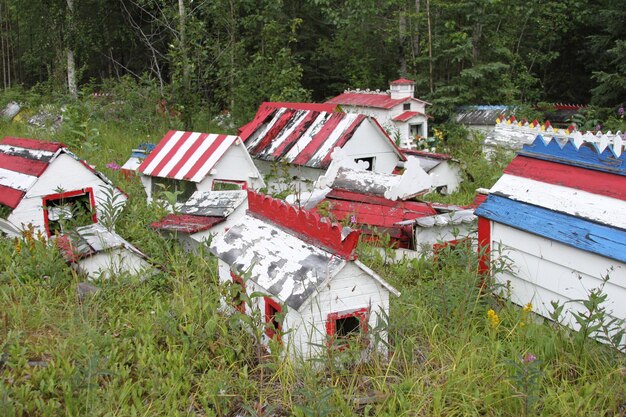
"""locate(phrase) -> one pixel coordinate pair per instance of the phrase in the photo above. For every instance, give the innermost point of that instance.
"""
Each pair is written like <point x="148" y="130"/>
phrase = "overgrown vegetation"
<point x="162" y="346"/>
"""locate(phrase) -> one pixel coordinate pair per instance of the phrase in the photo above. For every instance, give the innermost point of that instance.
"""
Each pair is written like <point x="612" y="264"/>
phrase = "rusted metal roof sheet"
<point x="92" y="239"/>
<point x="302" y="136"/>
<point x="187" y="223"/>
<point x="23" y="161"/>
<point x="186" y="155"/>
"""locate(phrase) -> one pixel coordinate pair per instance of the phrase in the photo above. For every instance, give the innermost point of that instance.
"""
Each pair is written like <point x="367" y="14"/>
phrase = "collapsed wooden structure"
<point x="557" y="215"/>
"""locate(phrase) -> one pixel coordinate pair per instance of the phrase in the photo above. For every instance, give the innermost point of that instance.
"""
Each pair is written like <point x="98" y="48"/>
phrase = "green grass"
<point x="161" y="346"/>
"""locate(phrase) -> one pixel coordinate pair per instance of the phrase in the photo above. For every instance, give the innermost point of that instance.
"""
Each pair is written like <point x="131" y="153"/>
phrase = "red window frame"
<point x="237" y="280"/>
<point x="331" y="321"/>
<point x="272" y="308"/>
<point x="243" y="184"/>
<point x="45" y="199"/>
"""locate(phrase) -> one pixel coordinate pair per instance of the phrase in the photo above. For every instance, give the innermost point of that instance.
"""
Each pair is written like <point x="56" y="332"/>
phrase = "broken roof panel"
<point x="301" y="136"/>
<point x="92" y="239"/>
<point x="445" y="219"/>
<point x="186" y="155"/>
<point x="213" y="203"/>
<point x="365" y="182"/>
<point x="187" y="223"/>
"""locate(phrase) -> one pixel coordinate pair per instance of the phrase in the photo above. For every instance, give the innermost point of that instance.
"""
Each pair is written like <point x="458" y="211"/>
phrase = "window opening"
<point x="406" y="106"/>
<point x="183" y="189"/>
<point x="369" y="160"/>
<point x="229" y="185"/>
<point x="273" y="326"/>
<point x="238" y="299"/>
<point x="68" y="210"/>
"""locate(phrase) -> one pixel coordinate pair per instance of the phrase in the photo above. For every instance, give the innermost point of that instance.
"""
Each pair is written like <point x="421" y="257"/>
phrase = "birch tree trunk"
<point x="71" y="64"/>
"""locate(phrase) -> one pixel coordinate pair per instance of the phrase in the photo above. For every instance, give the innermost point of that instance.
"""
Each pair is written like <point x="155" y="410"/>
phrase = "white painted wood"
<point x="544" y="270"/>
<point x="367" y="142"/>
<point x="426" y="237"/>
<point x="299" y="178"/>
<point x="341" y="128"/>
<point x="306" y="137"/>
<point x="161" y="155"/>
<point x="67" y="174"/>
<point x="113" y="262"/>
<point x="180" y="152"/>
<point x="215" y="156"/>
<point x="568" y="200"/>
<point x="300" y="115"/>
<point x="260" y="133"/>
<point x="16" y="180"/>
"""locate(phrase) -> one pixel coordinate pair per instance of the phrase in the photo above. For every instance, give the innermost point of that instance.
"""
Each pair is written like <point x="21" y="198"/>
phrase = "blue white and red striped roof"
<point x="303" y="135"/>
<point x="186" y="156"/>
<point x="570" y="192"/>
<point x="23" y="161"/>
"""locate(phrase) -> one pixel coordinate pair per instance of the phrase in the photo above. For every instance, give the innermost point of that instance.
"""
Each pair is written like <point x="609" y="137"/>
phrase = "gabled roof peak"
<point x="307" y="225"/>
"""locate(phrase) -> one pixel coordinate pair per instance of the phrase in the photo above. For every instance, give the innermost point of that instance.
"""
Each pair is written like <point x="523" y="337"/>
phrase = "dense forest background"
<point x="233" y="54"/>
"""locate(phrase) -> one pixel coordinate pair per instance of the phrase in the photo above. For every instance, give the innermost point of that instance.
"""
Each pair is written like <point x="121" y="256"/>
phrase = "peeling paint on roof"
<point x="92" y="239"/>
<point x="187" y="223"/>
<point x="214" y="203"/>
<point x="366" y="182"/>
<point x="447" y="219"/>
<point x="282" y="264"/>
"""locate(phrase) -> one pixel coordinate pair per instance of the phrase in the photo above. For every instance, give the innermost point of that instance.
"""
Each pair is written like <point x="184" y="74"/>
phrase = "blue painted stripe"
<point x="587" y="156"/>
<point x="143" y="150"/>
<point x="569" y="230"/>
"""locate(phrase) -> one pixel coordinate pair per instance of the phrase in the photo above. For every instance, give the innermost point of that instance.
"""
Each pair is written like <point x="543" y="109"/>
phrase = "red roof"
<point x="186" y="155"/>
<point x="376" y="100"/>
<point x="372" y="213"/>
<point x="302" y="136"/>
<point x="22" y="161"/>
<point x="187" y="223"/>
<point x="402" y="81"/>
<point x="407" y="115"/>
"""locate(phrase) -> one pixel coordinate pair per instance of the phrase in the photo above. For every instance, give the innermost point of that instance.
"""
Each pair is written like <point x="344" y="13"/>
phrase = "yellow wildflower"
<point x="493" y="318"/>
<point x="528" y="308"/>
<point x="18" y="246"/>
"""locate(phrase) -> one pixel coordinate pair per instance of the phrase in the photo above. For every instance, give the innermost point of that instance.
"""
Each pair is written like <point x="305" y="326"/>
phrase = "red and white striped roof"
<point x="22" y="161"/>
<point x="302" y="136"/>
<point x="186" y="156"/>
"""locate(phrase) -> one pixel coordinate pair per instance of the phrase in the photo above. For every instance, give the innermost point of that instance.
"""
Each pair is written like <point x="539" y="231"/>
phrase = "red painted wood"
<point x="273" y="132"/>
<point x="205" y="157"/>
<point x="168" y="157"/>
<point x="595" y="182"/>
<point x="58" y="196"/>
<point x="309" y="150"/>
<point x="305" y="224"/>
<point x="347" y="135"/>
<point x="40" y="145"/>
<point x="22" y="165"/>
<point x="331" y="320"/>
<point x="272" y="308"/>
<point x="484" y="245"/>
<point x="293" y="137"/>
<point x="415" y="206"/>
<point x="146" y="162"/>
<point x="382" y="101"/>
<point x="241" y="306"/>
<point x="10" y="197"/>
<point x="192" y="149"/>
<point x="261" y="116"/>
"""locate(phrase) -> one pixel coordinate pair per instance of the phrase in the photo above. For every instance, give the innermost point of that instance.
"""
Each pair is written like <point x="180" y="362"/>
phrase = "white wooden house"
<point x="204" y="215"/>
<point x="186" y="162"/>
<point x="301" y="137"/>
<point x="45" y="185"/>
<point x="397" y="110"/>
<point x="308" y="270"/>
<point x="557" y="213"/>
<point x="99" y="253"/>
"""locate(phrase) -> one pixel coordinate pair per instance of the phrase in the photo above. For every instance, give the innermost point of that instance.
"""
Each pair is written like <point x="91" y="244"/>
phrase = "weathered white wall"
<point x="305" y="177"/>
<point x="221" y="228"/>
<point x="446" y="174"/>
<point x="426" y="237"/>
<point x="352" y="289"/>
<point x="66" y="174"/>
<point x="366" y="142"/>
<point x="237" y="165"/>
<point x="113" y="262"/>
<point x="545" y="270"/>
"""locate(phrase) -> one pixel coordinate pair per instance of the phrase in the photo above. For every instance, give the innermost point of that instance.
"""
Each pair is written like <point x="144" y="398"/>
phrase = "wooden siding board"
<point x="606" y="184"/>
<point x="592" y="206"/>
<point x="572" y="231"/>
